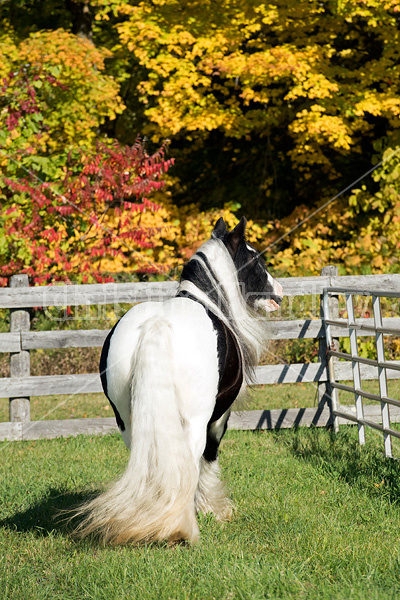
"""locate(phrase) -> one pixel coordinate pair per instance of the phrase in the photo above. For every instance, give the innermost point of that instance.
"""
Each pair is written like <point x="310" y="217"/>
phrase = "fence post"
<point x="19" y="408"/>
<point x="324" y="389"/>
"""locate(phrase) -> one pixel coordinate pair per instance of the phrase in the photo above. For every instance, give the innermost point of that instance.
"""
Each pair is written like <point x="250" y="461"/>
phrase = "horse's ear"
<point x="219" y="229"/>
<point x="236" y="236"/>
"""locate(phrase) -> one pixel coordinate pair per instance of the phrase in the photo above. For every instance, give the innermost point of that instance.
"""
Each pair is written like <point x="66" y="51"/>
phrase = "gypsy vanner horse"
<point x="171" y="371"/>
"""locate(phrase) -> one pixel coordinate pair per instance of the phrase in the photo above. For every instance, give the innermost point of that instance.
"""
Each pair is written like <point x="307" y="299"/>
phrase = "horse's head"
<point x="259" y="288"/>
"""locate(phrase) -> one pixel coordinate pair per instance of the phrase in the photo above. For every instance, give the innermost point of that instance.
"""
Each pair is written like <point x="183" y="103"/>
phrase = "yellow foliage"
<point x="176" y="234"/>
<point x="249" y="69"/>
<point x="320" y="75"/>
<point x="88" y="96"/>
<point x="8" y="49"/>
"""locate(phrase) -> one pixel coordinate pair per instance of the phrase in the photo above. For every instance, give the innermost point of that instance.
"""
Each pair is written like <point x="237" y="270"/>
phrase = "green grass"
<point x="304" y="395"/>
<point x="317" y="517"/>
<point x="64" y="407"/>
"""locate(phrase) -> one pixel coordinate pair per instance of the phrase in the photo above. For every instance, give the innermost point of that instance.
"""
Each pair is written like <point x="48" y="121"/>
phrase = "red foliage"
<point x="61" y="224"/>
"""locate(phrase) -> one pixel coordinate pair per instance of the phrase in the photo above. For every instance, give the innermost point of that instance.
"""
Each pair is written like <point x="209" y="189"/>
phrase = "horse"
<point x="171" y="371"/>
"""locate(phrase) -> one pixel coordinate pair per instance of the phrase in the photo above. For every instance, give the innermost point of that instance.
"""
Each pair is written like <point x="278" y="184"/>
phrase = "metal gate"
<point x="377" y="329"/>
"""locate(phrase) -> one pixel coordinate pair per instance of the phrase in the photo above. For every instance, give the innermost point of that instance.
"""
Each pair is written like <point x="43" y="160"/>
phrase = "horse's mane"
<point x="212" y="279"/>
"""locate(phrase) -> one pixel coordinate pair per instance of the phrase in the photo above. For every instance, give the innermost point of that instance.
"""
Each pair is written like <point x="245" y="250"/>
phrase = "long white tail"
<point x="154" y="499"/>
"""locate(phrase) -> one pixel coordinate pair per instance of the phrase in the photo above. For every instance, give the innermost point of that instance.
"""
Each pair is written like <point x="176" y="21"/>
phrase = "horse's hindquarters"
<point x="193" y="361"/>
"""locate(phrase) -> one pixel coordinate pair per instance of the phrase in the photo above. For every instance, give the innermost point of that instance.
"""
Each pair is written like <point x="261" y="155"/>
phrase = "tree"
<point x="283" y="101"/>
<point x="271" y="108"/>
<point x="60" y="230"/>
<point x="267" y="105"/>
<point x="360" y="232"/>
<point x="69" y="203"/>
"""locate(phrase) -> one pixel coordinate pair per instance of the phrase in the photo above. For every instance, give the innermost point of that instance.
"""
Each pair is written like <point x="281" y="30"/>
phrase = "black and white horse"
<point x="171" y="371"/>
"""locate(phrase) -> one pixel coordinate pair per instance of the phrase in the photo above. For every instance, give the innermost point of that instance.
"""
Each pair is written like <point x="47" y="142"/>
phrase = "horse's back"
<point x="193" y="357"/>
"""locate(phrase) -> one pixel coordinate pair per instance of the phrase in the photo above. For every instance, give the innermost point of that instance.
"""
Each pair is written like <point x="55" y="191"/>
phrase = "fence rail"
<point x="21" y="385"/>
<point x="120" y="293"/>
<point x="279" y="330"/>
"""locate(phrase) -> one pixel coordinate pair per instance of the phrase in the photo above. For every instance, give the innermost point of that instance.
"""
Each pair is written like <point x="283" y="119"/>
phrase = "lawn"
<point x="317" y="517"/>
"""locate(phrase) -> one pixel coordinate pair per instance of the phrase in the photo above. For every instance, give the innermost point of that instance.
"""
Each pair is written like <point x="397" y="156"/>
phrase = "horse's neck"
<point x="218" y="290"/>
<point x="221" y="281"/>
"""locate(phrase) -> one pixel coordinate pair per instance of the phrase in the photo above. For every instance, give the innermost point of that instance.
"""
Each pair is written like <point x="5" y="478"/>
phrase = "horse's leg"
<point x="211" y="494"/>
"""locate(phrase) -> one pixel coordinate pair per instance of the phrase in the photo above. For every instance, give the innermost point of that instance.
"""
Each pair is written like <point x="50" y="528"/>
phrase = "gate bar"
<point x="356" y="292"/>
<point x="368" y="395"/>
<point x="367" y="361"/>
<point x="380" y="349"/>
<point x="356" y="368"/>
<point x="364" y="327"/>
<point x="331" y="365"/>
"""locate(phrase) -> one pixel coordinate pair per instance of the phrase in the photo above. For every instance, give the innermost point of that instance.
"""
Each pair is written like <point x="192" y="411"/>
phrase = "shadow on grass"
<point x="51" y="513"/>
<point x="340" y="456"/>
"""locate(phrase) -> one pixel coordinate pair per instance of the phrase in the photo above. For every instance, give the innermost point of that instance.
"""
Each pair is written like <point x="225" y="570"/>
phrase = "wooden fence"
<point x="20" y="386"/>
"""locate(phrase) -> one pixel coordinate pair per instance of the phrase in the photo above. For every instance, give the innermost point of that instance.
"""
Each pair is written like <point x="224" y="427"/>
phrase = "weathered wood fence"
<point x="20" y="386"/>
